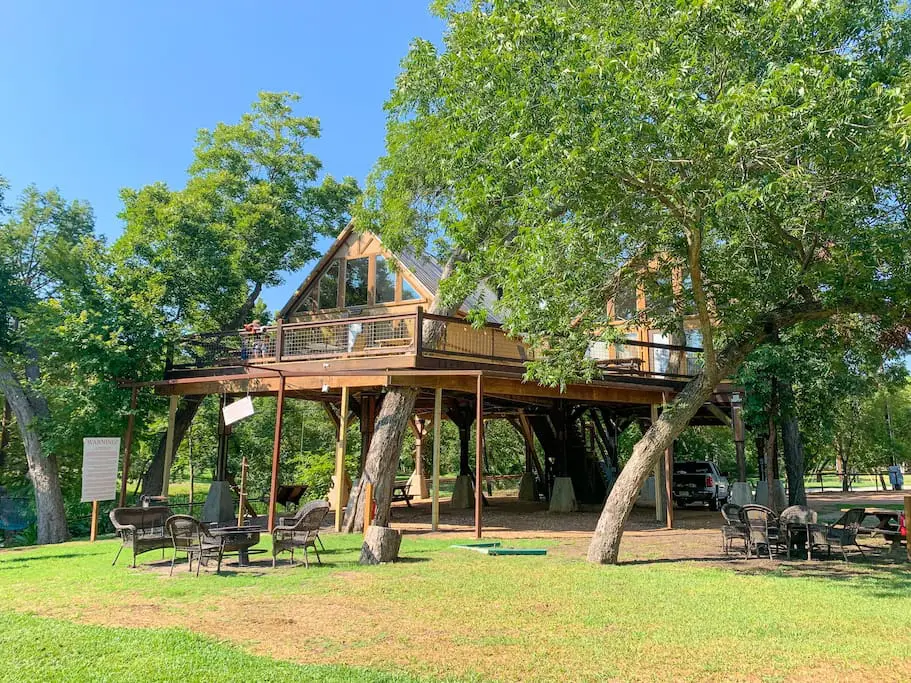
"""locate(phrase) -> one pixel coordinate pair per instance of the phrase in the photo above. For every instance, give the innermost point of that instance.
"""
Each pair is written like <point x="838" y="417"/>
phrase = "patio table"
<point x="237" y="539"/>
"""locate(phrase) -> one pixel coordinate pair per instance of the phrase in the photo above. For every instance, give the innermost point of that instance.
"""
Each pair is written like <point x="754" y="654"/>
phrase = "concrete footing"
<point x="741" y="493"/>
<point x="527" y="488"/>
<point x="563" y="497"/>
<point x="777" y="500"/>
<point x="463" y="493"/>
<point x="219" y="505"/>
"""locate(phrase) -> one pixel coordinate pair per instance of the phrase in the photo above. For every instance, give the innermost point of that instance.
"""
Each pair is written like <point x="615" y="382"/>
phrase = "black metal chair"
<point x="844" y="532"/>
<point x="190" y="536"/>
<point x="732" y="528"/>
<point x="301" y="531"/>
<point x="762" y="528"/>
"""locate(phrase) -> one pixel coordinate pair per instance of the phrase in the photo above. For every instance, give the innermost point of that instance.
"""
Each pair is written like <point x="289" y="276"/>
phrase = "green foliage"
<point x="252" y="209"/>
<point x="566" y="146"/>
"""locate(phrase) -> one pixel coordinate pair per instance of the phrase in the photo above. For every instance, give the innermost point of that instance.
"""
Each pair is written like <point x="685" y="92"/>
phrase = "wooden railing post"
<point x="279" y="340"/>
<point x="419" y="331"/>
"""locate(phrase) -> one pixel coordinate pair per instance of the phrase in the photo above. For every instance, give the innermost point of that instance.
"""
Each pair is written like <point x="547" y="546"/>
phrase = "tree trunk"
<point x="153" y="478"/>
<point x="42" y="468"/>
<point x="381" y="544"/>
<point x="605" y="544"/>
<point x="793" y="449"/>
<point x="391" y="424"/>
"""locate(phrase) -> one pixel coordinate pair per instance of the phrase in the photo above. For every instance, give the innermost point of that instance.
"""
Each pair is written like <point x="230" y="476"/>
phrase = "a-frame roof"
<point x="423" y="269"/>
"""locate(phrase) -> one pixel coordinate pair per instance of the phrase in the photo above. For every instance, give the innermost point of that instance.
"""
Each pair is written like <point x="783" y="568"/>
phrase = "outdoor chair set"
<point x="145" y="529"/>
<point x="760" y="529"/>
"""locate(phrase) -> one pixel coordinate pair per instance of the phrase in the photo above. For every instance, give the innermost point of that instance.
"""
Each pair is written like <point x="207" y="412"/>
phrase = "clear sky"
<point x="100" y="95"/>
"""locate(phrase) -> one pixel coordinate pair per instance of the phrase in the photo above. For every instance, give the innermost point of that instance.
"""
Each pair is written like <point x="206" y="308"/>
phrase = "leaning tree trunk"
<point x="153" y="479"/>
<point x="605" y="544"/>
<point x="390" y="427"/>
<point x="51" y="515"/>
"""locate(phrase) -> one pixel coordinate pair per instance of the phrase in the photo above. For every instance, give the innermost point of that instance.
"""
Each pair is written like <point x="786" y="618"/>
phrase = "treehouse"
<point x="354" y="329"/>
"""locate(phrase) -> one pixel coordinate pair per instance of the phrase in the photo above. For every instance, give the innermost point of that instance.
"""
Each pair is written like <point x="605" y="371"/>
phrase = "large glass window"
<point x="409" y="293"/>
<point x="328" y="287"/>
<point x="385" y="282"/>
<point x="625" y="303"/>
<point x="356" y="282"/>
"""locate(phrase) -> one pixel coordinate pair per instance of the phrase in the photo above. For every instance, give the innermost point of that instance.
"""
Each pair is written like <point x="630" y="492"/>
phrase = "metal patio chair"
<point x="190" y="536"/>
<point x="300" y="531"/>
<point x="844" y="532"/>
<point x="733" y="528"/>
<point x="762" y="528"/>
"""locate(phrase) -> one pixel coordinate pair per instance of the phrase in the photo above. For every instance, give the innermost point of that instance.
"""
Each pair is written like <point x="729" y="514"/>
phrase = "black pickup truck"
<point x="699" y="482"/>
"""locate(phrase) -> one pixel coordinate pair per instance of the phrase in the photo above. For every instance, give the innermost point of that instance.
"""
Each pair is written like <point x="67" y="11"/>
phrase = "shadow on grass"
<point x="4" y="559"/>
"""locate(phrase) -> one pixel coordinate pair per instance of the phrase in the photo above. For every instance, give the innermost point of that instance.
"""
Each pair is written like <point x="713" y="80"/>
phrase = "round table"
<point x="237" y="539"/>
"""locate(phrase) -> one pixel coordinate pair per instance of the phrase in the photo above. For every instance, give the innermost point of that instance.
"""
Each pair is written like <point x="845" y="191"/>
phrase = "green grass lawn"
<point x="68" y="615"/>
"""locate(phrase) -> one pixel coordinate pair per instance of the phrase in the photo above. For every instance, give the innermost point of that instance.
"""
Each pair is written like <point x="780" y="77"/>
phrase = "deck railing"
<point x="401" y="334"/>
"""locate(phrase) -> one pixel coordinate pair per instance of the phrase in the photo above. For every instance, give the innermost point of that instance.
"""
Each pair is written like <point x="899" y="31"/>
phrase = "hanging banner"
<point x="237" y="411"/>
<point x="100" y="457"/>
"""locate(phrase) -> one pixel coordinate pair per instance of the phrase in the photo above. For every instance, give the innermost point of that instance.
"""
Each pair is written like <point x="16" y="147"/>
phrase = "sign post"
<point x="100" y="456"/>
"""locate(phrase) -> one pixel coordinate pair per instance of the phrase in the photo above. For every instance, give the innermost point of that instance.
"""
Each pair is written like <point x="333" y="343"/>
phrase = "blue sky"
<point x="103" y="95"/>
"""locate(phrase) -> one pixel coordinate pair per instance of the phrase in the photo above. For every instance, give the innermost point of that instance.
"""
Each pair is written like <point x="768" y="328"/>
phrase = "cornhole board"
<point x="495" y="549"/>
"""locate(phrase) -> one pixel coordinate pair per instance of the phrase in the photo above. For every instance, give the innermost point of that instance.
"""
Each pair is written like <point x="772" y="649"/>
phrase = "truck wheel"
<point x="713" y="505"/>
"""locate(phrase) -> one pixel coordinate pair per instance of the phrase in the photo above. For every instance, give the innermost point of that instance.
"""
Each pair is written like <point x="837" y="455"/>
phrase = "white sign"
<point x="100" y="456"/>
<point x="237" y="411"/>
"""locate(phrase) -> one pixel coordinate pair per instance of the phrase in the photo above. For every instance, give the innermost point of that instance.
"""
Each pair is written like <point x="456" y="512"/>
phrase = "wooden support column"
<point x="478" y="456"/>
<point x="660" y="504"/>
<point x="669" y="486"/>
<point x="418" y="480"/>
<point x="169" y="446"/>
<point x="341" y="446"/>
<point x="276" y="450"/>
<point x="128" y="447"/>
<point x="739" y="439"/>
<point x="907" y="518"/>
<point x="437" y="424"/>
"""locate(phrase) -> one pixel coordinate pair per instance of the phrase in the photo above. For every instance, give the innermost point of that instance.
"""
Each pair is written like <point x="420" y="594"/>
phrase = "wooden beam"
<point x="478" y="455"/>
<point x="341" y="447"/>
<point x="669" y="486"/>
<point x="169" y="445"/>
<point x="276" y="451"/>
<point x="437" y="424"/>
<point x="128" y="447"/>
<point x="722" y="416"/>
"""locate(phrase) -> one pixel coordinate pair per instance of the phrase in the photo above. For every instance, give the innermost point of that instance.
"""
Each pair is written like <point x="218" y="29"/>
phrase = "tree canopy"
<point x="743" y="162"/>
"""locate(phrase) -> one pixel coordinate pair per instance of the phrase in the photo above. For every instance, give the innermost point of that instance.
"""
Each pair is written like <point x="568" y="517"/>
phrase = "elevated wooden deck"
<point x="318" y="358"/>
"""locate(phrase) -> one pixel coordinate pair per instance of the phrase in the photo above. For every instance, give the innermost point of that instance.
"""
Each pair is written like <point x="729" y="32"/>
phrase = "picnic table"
<point x="400" y="491"/>
<point x="887" y="525"/>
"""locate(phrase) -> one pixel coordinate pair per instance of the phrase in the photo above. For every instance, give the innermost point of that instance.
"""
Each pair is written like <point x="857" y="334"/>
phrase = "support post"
<point x="660" y="505"/>
<point x="128" y="447"/>
<point x="242" y="495"/>
<point x="478" y="455"/>
<point x="418" y="480"/>
<point x="341" y="446"/>
<point x="368" y="506"/>
<point x="437" y="424"/>
<point x="276" y="450"/>
<point x="94" y="532"/>
<point x="669" y="486"/>
<point x="169" y="446"/>
<point x="908" y="521"/>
